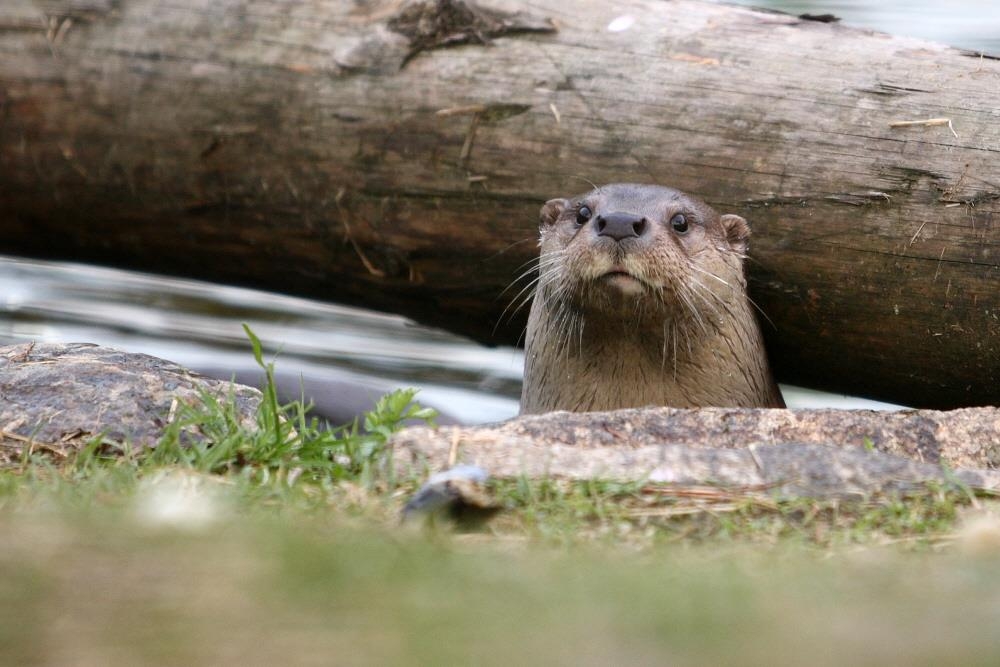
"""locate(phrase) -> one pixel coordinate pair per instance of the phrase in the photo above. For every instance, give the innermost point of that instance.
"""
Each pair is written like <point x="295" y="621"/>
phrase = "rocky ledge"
<point x="56" y="397"/>
<point x="814" y="453"/>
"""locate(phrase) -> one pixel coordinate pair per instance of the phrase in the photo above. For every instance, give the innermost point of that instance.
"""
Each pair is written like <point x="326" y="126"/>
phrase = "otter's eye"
<point x="583" y="214"/>
<point x="679" y="223"/>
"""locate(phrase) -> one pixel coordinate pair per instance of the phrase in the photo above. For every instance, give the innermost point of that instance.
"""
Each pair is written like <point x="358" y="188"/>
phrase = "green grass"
<point x="286" y="447"/>
<point x="287" y="461"/>
<point x="108" y="588"/>
<point x="281" y="542"/>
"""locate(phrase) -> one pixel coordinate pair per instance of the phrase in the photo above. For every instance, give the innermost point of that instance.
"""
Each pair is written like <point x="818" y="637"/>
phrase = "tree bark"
<point x="394" y="155"/>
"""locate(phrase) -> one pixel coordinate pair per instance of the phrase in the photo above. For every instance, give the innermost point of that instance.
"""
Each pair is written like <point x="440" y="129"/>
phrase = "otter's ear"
<point x="551" y="211"/>
<point x="737" y="232"/>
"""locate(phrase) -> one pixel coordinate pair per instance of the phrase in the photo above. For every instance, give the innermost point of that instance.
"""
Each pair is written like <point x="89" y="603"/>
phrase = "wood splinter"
<point x="929" y="122"/>
<point x="459" y="111"/>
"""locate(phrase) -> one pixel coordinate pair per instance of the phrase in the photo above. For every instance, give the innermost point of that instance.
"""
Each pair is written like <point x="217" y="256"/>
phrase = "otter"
<point x="641" y="300"/>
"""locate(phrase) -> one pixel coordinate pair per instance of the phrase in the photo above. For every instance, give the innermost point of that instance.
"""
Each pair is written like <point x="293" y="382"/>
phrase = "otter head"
<point x="641" y="300"/>
<point x="641" y="251"/>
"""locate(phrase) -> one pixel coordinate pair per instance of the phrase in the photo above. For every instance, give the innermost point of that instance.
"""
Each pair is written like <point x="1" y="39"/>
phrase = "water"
<point x="968" y="24"/>
<point x="341" y="358"/>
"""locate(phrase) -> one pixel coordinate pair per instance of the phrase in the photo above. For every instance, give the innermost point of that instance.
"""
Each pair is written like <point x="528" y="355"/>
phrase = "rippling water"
<point x="969" y="24"/>
<point x="342" y="358"/>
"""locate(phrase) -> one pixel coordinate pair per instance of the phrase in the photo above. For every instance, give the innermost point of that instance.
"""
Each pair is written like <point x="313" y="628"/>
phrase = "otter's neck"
<point x="583" y="364"/>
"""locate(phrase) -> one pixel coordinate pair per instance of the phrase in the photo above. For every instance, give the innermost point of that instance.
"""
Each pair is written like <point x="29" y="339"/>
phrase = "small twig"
<point x="945" y="538"/>
<point x="756" y="461"/>
<point x="64" y="27"/>
<point x="460" y="111"/>
<point x="946" y="195"/>
<point x="378" y="273"/>
<point x="470" y="135"/>
<point x="172" y="413"/>
<point x="372" y="269"/>
<point x="936" y="274"/>
<point x="14" y="436"/>
<point x="22" y="355"/>
<point x="669" y="512"/>
<point x="929" y="122"/>
<point x="32" y="444"/>
<point x="71" y="436"/>
<point x="912" y="123"/>
<point x="555" y="112"/>
<point x="714" y="493"/>
<point x="919" y="229"/>
<point x="453" y="452"/>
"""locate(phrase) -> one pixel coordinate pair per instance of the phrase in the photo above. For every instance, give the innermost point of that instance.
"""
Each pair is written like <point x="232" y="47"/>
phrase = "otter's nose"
<point x="621" y="225"/>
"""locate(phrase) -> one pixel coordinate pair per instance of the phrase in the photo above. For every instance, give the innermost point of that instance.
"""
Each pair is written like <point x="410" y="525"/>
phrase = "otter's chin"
<point x="623" y="282"/>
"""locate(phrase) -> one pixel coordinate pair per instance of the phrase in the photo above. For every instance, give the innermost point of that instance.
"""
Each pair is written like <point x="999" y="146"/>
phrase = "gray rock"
<point x="813" y="453"/>
<point x="59" y="396"/>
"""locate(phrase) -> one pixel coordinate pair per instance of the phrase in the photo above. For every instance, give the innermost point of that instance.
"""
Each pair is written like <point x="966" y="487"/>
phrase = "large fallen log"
<point x="336" y="149"/>
<point x="789" y="453"/>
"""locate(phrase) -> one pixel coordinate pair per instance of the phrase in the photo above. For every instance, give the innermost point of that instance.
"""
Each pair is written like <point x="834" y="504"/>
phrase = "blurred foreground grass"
<point x="281" y="544"/>
<point x="263" y="582"/>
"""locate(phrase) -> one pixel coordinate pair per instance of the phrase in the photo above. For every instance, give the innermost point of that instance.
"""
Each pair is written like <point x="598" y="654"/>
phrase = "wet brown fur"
<point x="680" y="333"/>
